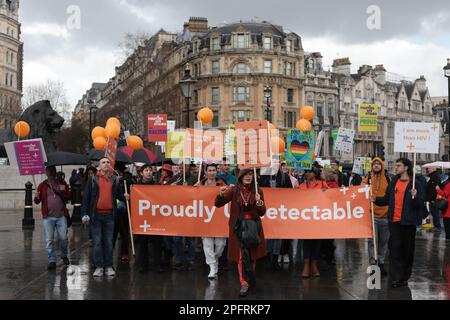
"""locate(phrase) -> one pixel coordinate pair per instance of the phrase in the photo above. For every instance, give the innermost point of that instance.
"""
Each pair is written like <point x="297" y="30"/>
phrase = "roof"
<point x="409" y="88"/>
<point x="252" y="27"/>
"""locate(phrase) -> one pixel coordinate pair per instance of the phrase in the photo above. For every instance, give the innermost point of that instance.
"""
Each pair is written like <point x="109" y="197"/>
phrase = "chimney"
<point x="342" y="66"/>
<point x="421" y="83"/>
<point x="197" y="24"/>
<point x="380" y="74"/>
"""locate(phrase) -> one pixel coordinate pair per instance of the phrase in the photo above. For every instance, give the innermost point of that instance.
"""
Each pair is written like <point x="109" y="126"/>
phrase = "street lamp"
<point x="268" y="96"/>
<point x="92" y="110"/>
<point x="447" y="75"/>
<point x="187" y="84"/>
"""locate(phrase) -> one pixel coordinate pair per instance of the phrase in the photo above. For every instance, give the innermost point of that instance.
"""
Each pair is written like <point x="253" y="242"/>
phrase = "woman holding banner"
<point x="311" y="248"/>
<point x="213" y="247"/>
<point x="247" y="206"/>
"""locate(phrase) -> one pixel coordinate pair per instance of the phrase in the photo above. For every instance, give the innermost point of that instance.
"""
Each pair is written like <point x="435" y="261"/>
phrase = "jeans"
<point x="382" y="236"/>
<point x="102" y="235"/>
<point x="213" y="249"/>
<point x="60" y="224"/>
<point x="274" y="246"/>
<point x="179" y="249"/>
<point x="436" y="216"/>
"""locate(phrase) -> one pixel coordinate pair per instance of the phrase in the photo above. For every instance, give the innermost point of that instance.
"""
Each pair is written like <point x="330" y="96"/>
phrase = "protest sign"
<point x="175" y="144"/>
<point x="28" y="155"/>
<point x="300" y="149"/>
<point x="344" y="140"/>
<point x="416" y="137"/>
<point x="253" y="144"/>
<point x="157" y="127"/>
<point x="368" y="118"/>
<point x="291" y="213"/>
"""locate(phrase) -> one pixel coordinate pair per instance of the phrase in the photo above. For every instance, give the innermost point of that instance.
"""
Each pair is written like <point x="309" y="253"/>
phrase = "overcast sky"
<point x="413" y="39"/>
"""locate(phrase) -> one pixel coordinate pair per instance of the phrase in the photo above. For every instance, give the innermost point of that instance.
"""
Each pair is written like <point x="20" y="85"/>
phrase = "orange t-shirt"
<point x="400" y="189"/>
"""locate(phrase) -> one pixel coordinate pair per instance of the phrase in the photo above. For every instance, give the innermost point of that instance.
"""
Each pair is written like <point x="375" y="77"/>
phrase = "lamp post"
<point x="268" y="95"/>
<point x="187" y="84"/>
<point x="447" y="75"/>
<point x="92" y="110"/>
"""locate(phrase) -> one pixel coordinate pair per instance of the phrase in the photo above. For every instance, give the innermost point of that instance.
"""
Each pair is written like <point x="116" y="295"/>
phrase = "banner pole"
<point x="374" y="239"/>
<point x="256" y="180"/>
<point x="184" y="171"/>
<point x="414" y="173"/>
<point x="201" y="159"/>
<point x="129" y="221"/>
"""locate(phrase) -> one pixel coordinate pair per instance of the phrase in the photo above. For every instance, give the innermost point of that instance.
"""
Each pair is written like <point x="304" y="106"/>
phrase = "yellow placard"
<point x="368" y="118"/>
<point x="175" y="145"/>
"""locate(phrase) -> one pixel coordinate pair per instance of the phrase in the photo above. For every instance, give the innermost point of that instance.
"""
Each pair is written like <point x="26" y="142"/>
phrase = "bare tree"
<point x="55" y="92"/>
<point x="131" y="41"/>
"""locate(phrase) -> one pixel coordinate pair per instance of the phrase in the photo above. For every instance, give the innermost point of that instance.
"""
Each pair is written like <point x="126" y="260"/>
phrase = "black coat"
<point x="414" y="210"/>
<point x="91" y="193"/>
<point x="431" y="186"/>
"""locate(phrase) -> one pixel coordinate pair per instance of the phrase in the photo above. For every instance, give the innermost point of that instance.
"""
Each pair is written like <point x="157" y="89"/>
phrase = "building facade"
<point x="232" y="66"/>
<point x="11" y="63"/>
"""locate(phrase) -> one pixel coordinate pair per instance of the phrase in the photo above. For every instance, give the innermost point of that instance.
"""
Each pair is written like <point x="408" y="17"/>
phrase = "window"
<point x="215" y="67"/>
<point x="403" y="104"/>
<point x="215" y="94"/>
<point x="241" y="41"/>
<point x="289" y="119"/>
<point x="267" y="66"/>
<point x="241" y="68"/>
<point x="330" y="108"/>
<point x="320" y="108"/>
<point x="268" y="43"/>
<point x="215" y="44"/>
<point x="289" y="69"/>
<point x="195" y="96"/>
<point x="289" y="46"/>
<point x="240" y="116"/>
<point x="6" y="79"/>
<point x="11" y="80"/>
<point x="310" y="102"/>
<point x="358" y="93"/>
<point x="391" y="129"/>
<point x="241" y="94"/>
<point x="290" y="95"/>
<point x="215" y="122"/>
<point x="390" y="149"/>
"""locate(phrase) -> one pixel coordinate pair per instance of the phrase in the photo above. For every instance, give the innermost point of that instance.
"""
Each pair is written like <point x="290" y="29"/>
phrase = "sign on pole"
<point x="319" y="142"/>
<point x="416" y="137"/>
<point x="300" y="148"/>
<point x="175" y="144"/>
<point x="253" y="144"/>
<point x="368" y="118"/>
<point x="28" y="155"/>
<point x="157" y="127"/>
<point x="344" y="140"/>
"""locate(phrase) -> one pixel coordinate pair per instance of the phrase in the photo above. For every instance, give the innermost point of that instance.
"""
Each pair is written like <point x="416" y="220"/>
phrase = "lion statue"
<point x="45" y="123"/>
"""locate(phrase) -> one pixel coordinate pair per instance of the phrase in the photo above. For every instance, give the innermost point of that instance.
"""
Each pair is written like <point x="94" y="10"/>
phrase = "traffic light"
<point x="380" y="151"/>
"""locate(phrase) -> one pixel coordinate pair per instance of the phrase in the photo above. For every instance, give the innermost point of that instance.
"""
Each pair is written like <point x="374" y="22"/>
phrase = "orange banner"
<point x="291" y="214"/>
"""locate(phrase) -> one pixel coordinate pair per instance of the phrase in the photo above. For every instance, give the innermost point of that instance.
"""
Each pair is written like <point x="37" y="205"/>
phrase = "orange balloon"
<point x="99" y="143"/>
<point x="98" y="132"/>
<point x="22" y="129"/>
<point x="112" y="130"/>
<point x="307" y="113"/>
<point x="278" y="145"/>
<point x="113" y="120"/>
<point x="304" y="125"/>
<point x="135" y="142"/>
<point x="205" y="115"/>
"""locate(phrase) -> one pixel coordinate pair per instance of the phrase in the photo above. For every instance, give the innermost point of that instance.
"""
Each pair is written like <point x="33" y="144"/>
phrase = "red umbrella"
<point x="141" y="155"/>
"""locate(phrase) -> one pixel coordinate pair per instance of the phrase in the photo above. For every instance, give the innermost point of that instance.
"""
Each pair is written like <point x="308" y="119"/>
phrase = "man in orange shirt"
<point x="99" y="207"/>
<point x="406" y="209"/>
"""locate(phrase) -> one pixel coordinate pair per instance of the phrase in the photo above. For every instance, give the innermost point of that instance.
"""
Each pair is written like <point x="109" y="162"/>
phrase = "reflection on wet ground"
<point x="23" y="273"/>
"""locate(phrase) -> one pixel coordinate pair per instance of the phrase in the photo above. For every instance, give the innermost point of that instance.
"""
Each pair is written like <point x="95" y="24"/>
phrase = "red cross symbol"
<point x="434" y="127"/>
<point x="411" y="146"/>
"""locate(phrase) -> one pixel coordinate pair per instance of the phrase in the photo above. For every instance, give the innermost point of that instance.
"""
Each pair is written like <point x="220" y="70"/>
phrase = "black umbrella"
<point x="98" y="154"/>
<point x="65" y="159"/>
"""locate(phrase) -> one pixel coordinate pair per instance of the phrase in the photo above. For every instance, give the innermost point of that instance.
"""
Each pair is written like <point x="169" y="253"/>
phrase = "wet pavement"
<point x="23" y="273"/>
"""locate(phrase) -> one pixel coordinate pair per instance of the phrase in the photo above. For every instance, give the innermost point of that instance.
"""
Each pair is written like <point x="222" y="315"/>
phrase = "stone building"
<point x="405" y="101"/>
<point x="232" y="64"/>
<point x="89" y="100"/>
<point x="11" y="63"/>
